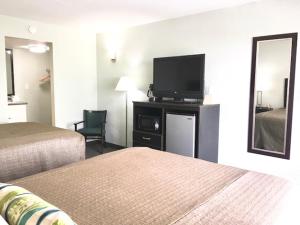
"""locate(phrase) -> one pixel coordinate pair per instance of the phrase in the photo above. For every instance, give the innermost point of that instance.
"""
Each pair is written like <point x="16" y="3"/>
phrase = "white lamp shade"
<point x="124" y="84"/>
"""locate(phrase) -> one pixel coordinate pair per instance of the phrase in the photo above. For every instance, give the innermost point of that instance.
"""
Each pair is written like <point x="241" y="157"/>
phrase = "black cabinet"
<point x="146" y="139"/>
<point x="207" y="126"/>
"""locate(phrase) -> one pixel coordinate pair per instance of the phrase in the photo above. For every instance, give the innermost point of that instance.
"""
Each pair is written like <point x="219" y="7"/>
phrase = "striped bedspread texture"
<point x="139" y="186"/>
<point x="30" y="148"/>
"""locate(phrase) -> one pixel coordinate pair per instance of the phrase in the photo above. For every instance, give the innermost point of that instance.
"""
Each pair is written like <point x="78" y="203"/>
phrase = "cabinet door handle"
<point x="146" y="138"/>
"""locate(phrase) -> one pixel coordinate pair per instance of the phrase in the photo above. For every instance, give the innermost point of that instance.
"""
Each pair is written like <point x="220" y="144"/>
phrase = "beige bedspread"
<point x="30" y="148"/>
<point x="139" y="186"/>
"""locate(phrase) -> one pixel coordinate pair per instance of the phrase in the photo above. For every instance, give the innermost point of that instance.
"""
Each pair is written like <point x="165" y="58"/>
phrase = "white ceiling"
<point x="108" y="14"/>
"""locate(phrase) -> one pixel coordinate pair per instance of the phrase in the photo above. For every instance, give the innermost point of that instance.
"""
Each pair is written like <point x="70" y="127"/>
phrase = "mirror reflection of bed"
<point x="269" y="131"/>
<point x="270" y="124"/>
<point x="271" y="88"/>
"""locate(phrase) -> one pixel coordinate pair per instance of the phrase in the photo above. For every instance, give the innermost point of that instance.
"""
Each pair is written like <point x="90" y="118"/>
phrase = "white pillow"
<point x="2" y="221"/>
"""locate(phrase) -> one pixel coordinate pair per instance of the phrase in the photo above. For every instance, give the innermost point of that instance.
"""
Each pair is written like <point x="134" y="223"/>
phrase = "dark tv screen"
<point x="179" y="76"/>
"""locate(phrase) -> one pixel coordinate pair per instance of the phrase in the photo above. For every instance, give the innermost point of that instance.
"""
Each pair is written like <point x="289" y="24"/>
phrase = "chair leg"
<point x="101" y="146"/>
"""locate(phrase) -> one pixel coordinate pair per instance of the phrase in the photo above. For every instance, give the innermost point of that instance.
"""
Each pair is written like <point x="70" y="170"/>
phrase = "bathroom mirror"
<point x="271" y="94"/>
<point x="10" y="72"/>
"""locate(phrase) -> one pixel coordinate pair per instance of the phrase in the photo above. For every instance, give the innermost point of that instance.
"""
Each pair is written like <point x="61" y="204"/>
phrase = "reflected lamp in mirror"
<point x="10" y="72"/>
<point x="270" y="118"/>
<point x="259" y="98"/>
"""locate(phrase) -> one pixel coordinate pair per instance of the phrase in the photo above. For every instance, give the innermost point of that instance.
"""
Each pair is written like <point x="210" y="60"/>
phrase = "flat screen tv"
<point x="179" y="77"/>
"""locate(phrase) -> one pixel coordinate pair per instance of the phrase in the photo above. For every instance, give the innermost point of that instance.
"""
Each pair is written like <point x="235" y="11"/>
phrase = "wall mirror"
<point x="10" y="72"/>
<point x="271" y="94"/>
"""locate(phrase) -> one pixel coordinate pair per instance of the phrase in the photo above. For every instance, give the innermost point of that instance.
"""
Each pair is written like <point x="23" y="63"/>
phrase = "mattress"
<point x="139" y="186"/>
<point x="30" y="148"/>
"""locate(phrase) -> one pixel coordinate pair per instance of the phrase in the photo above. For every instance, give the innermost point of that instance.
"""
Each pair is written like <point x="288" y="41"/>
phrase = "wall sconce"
<point x="113" y="56"/>
<point x="113" y="43"/>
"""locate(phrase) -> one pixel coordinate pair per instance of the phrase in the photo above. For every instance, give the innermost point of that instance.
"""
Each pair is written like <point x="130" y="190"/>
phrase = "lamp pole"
<point x="126" y="118"/>
<point x="124" y="84"/>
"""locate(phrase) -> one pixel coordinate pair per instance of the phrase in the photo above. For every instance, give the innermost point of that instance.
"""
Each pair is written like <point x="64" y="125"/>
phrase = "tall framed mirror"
<point x="271" y="94"/>
<point x="10" y="72"/>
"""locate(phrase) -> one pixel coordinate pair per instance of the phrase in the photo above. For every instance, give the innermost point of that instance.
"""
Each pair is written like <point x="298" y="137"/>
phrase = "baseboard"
<point x="108" y="144"/>
<point x="114" y="145"/>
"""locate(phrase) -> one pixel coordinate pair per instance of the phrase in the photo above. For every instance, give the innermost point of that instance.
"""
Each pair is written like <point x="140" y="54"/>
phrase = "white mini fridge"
<point x="180" y="134"/>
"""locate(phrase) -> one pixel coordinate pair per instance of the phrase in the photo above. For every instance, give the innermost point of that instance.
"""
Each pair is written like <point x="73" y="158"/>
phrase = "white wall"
<point x="272" y="67"/>
<point x="74" y="67"/>
<point x="28" y="69"/>
<point x="225" y="36"/>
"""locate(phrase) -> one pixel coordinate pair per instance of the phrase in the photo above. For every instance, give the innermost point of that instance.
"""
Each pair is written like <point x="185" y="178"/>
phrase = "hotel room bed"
<point x="270" y="130"/>
<point x="30" y="148"/>
<point x="143" y="186"/>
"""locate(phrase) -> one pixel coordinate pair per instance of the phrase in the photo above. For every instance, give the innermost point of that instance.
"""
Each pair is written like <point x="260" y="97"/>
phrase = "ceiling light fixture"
<point x="36" y="48"/>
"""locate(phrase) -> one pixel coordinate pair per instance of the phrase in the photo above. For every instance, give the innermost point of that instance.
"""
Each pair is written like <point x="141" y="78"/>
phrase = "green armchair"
<point x="93" y="125"/>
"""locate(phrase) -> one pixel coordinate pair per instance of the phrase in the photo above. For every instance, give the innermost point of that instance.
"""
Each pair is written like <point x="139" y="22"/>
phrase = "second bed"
<point x="30" y="148"/>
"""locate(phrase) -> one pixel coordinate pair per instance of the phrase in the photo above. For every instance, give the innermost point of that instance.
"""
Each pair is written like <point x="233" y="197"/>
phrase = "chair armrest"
<point x="79" y="122"/>
<point x="75" y="124"/>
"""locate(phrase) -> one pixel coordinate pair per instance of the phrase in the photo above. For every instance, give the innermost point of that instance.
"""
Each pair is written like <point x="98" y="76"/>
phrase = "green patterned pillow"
<point x="20" y="207"/>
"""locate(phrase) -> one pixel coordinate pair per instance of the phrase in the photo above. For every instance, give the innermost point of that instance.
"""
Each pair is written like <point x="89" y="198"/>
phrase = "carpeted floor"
<point x="95" y="148"/>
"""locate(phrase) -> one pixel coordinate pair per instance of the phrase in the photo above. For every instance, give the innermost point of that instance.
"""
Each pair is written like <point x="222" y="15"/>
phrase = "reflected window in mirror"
<point x="271" y="94"/>
<point x="10" y="72"/>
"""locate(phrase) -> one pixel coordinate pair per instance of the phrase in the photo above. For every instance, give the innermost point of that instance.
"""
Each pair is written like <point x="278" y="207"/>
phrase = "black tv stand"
<point x="206" y="127"/>
<point x="180" y="101"/>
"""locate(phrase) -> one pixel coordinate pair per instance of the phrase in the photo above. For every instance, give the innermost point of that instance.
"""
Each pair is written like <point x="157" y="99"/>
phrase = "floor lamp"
<point x="125" y="85"/>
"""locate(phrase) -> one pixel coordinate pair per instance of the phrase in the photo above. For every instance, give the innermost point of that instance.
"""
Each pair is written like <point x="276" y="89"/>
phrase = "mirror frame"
<point x="12" y="71"/>
<point x="288" y="132"/>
